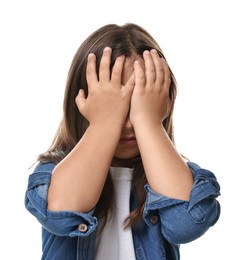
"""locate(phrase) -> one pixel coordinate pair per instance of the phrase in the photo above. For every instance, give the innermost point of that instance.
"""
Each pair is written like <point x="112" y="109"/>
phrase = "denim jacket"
<point x="167" y="222"/>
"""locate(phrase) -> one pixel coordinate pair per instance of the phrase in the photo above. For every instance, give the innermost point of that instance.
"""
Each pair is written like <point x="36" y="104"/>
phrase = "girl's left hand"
<point x="150" y="102"/>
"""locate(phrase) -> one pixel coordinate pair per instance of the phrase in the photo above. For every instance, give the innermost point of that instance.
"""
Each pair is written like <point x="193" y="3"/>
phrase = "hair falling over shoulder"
<point x="128" y="39"/>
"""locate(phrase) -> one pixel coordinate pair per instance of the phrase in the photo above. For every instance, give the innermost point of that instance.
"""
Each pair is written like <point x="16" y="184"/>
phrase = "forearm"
<point x="166" y="171"/>
<point x="78" y="180"/>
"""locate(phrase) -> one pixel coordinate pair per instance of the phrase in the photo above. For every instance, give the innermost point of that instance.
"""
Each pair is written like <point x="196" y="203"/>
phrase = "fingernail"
<point x="107" y="49"/>
<point x="153" y="51"/>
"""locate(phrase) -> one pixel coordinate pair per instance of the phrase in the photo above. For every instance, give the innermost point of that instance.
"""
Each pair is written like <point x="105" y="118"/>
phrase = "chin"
<point x="125" y="156"/>
<point x="125" y="161"/>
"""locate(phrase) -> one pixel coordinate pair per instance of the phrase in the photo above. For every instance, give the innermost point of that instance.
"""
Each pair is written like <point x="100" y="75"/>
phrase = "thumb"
<point x="80" y="99"/>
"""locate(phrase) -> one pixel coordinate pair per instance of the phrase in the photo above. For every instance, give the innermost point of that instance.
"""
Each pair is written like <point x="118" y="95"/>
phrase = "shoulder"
<point x="44" y="167"/>
<point x="41" y="173"/>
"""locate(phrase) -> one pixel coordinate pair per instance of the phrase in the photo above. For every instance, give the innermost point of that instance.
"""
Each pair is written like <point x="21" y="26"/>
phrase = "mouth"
<point x="128" y="140"/>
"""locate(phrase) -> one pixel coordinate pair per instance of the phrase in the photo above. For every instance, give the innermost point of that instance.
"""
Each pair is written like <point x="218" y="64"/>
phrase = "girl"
<point x="112" y="184"/>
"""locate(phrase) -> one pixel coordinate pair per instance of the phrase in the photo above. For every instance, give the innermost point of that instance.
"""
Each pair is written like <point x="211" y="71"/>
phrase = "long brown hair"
<point x="128" y="39"/>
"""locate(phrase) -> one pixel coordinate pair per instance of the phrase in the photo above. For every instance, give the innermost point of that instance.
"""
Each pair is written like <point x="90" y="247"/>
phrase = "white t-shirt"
<point x="115" y="242"/>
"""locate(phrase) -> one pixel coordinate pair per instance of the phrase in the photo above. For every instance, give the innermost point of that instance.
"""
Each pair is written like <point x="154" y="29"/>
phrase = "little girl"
<point x="112" y="185"/>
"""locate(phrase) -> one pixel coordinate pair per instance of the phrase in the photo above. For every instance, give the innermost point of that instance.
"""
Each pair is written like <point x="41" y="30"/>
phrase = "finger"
<point x="81" y="94"/>
<point x="104" y="70"/>
<point x="140" y="79"/>
<point x="159" y="68"/>
<point x="91" y="74"/>
<point x="150" y="68"/>
<point x="167" y="75"/>
<point x="131" y="82"/>
<point x="80" y="99"/>
<point x="117" y="71"/>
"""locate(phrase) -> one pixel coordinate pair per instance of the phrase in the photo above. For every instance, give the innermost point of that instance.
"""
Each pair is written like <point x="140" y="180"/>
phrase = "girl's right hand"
<point x="108" y="100"/>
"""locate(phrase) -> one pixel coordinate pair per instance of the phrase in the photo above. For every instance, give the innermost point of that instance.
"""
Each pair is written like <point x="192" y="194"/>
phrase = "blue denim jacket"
<point x="166" y="223"/>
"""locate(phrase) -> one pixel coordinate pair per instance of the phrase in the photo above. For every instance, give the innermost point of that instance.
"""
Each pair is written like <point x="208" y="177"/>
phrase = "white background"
<point x="201" y="42"/>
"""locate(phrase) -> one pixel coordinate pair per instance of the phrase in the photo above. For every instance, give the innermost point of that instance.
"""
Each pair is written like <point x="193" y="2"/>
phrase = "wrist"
<point x="146" y="122"/>
<point x="144" y="127"/>
<point x="106" y="128"/>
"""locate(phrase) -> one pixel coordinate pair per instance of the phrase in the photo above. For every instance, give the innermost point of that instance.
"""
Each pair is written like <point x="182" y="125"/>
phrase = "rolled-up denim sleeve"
<point x="61" y="223"/>
<point x="184" y="221"/>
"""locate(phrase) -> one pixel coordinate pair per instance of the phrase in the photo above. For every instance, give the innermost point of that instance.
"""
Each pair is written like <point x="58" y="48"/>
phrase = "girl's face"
<point x="127" y="147"/>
